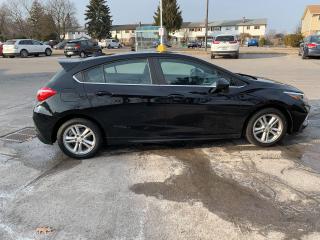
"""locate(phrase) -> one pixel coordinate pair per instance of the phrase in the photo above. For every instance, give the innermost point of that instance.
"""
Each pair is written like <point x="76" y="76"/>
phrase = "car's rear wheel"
<point x="79" y="138"/>
<point x="267" y="127"/>
<point x="304" y="55"/>
<point x="24" y="53"/>
<point x="82" y="54"/>
<point x="213" y="56"/>
<point x="48" y="52"/>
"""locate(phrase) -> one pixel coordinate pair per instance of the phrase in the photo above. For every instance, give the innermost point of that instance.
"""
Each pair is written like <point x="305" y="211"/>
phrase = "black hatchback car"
<point x="82" y="48"/>
<point x="161" y="97"/>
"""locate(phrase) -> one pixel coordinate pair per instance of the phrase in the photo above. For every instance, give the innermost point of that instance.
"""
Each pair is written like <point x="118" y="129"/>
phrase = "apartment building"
<point x="310" y="22"/>
<point x="196" y="30"/>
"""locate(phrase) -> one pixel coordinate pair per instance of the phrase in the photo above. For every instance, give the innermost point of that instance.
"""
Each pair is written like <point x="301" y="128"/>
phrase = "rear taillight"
<point x="233" y="42"/>
<point x="45" y="93"/>
<point x="216" y="42"/>
<point x="311" y="45"/>
<point x="77" y="46"/>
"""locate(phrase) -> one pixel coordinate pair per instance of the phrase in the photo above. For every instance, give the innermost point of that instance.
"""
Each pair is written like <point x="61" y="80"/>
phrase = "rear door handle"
<point x="104" y="93"/>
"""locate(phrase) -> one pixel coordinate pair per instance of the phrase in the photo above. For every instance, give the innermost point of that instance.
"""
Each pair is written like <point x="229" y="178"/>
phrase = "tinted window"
<point x="10" y="42"/>
<point x="36" y="43"/>
<point x="128" y="72"/>
<point x="25" y="42"/>
<point x="225" y="38"/>
<point x="179" y="72"/>
<point x="94" y="75"/>
<point x="315" y="39"/>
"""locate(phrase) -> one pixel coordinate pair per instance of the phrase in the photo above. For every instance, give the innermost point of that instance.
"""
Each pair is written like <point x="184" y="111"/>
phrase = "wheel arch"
<point x="73" y="116"/>
<point x="277" y="106"/>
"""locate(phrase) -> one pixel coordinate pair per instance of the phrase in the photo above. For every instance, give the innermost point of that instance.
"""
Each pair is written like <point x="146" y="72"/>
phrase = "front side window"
<point x="180" y="72"/>
<point x="128" y="72"/>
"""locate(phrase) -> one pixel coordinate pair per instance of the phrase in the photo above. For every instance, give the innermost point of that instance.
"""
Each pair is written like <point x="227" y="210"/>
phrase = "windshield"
<point x="225" y="38"/>
<point x="315" y="39"/>
<point x="10" y="42"/>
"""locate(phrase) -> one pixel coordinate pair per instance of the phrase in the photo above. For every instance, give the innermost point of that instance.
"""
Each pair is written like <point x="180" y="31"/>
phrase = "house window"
<point x="117" y="31"/>
<point x="126" y="31"/>
<point x="256" y="27"/>
<point x="216" y="28"/>
<point x="236" y="28"/>
<point x="248" y="27"/>
<point x="228" y="28"/>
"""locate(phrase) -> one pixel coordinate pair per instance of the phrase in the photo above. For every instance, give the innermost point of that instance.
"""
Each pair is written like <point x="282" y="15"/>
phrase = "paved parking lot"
<point x="209" y="190"/>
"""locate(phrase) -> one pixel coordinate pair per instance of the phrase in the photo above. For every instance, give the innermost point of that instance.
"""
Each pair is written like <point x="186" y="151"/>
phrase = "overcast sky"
<point x="282" y="15"/>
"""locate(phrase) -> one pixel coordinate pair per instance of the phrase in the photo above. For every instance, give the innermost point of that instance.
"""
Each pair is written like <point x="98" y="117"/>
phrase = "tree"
<point x="172" y="15"/>
<point x="62" y="13"/>
<point x="36" y="19"/>
<point x="98" y="19"/>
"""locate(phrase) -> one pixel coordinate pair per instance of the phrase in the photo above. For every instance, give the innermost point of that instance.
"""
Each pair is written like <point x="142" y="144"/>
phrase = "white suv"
<point x="225" y="45"/>
<point x="110" y="43"/>
<point x="25" y="47"/>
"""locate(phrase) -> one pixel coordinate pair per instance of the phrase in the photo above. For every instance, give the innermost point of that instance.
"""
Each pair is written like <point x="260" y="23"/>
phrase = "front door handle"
<point x="104" y="93"/>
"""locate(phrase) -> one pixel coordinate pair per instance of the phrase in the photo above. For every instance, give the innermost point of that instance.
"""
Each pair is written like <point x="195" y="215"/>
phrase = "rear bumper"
<point x="71" y="53"/>
<point x="223" y="53"/>
<point x="314" y="52"/>
<point x="44" y="123"/>
<point x="11" y="54"/>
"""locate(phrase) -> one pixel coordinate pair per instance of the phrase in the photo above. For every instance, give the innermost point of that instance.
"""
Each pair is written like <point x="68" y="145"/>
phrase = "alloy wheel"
<point x="79" y="139"/>
<point x="268" y="128"/>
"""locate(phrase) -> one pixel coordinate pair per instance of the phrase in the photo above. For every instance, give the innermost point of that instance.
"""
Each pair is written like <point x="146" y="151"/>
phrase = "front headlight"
<point x="295" y="95"/>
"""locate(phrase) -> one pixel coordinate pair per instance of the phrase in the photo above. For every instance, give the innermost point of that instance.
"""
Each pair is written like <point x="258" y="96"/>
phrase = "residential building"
<point x="76" y="33"/>
<point x="310" y="23"/>
<point x="196" y="30"/>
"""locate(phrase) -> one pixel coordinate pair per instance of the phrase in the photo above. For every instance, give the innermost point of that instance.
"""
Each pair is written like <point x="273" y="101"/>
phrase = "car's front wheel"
<point x="267" y="127"/>
<point x="79" y="138"/>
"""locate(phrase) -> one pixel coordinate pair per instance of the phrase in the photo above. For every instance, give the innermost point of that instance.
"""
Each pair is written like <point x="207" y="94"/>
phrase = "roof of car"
<point x="69" y="64"/>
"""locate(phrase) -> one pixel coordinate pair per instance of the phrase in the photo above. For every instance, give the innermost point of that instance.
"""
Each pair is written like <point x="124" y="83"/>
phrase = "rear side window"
<point x="225" y="38"/>
<point x="128" y="72"/>
<point x="94" y="75"/>
<point x="25" y="42"/>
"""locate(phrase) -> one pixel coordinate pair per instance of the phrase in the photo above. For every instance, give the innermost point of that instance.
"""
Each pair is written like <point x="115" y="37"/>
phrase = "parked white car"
<point x="225" y="45"/>
<point x="25" y="48"/>
<point x="110" y="43"/>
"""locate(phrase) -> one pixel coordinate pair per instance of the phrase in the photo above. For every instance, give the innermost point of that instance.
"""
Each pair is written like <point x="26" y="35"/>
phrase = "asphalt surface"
<point x="209" y="190"/>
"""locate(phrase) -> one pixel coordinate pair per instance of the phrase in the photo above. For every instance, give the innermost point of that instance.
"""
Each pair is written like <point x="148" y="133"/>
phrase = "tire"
<point x="48" y="52"/>
<point x="304" y="55"/>
<point x="236" y="56"/>
<point x="109" y="47"/>
<point x="213" y="56"/>
<point x="65" y="132"/>
<point x="255" y="130"/>
<point x="82" y="54"/>
<point x="24" y="53"/>
<point x="68" y="56"/>
<point x="36" y="55"/>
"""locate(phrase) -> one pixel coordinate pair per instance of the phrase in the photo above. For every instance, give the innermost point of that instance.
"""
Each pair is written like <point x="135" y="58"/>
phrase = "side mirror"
<point x="222" y="85"/>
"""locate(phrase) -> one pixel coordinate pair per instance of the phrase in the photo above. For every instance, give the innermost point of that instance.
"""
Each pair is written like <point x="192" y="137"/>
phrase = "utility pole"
<point x="206" y="26"/>
<point x="161" y="47"/>
<point x="161" y="22"/>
